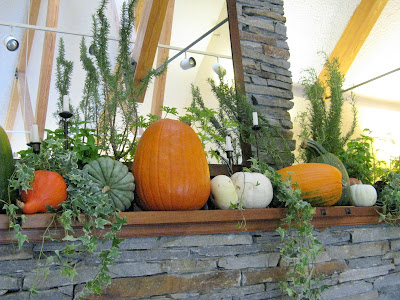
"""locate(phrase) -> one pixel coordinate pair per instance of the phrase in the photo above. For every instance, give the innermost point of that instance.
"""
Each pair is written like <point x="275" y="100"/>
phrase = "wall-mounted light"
<point x="218" y="68"/>
<point x="188" y="63"/>
<point x="11" y="42"/>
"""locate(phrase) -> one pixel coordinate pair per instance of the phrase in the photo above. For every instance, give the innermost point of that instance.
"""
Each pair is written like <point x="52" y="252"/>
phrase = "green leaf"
<point x="100" y="223"/>
<point x="69" y="272"/>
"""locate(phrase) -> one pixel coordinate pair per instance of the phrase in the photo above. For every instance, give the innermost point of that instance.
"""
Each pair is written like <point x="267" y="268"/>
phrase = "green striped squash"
<point x="6" y="165"/>
<point x="114" y="179"/>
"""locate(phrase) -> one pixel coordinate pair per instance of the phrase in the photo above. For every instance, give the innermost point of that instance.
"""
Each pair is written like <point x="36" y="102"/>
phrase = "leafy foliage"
<point x="389" y="198"/>
<point x="360" y="159"/>
<point x="82" y="141"/>
<point x="322" y="122"/>
<point x="234" y="118"/>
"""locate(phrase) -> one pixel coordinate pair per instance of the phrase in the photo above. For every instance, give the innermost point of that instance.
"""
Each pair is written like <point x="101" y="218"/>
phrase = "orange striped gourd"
<point x="320" y="184"/>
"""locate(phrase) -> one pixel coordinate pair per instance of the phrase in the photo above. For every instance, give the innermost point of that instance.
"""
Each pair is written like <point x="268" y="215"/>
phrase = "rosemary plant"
<point x="110" y="95"/>
<point x="234" y="118"/>
<point x="322" y="121"/>
<point x="64" y="69"/>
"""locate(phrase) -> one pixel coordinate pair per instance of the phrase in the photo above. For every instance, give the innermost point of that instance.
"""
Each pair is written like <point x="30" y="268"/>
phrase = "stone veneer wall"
<point x="265" y="55"/>
<point x="360" y="262"/>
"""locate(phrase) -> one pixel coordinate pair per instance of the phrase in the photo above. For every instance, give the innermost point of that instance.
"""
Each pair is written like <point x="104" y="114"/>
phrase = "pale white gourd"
<point x="223" y="192"/>
<point x="363" y="195"/>
<point x="253" y="189"/>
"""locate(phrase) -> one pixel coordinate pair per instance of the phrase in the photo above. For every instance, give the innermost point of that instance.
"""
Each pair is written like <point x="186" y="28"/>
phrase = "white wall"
<point x="379" y="116"/>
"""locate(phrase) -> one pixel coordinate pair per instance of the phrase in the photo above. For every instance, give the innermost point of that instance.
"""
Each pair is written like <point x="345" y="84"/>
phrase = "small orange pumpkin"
<point x="320" y="184"/>
<point x="48" y="188"/>
<point x="170" y="168"/>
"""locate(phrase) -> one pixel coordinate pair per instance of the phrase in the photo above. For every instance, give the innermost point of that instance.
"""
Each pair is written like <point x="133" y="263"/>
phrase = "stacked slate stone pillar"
<point x="267" y="77"/>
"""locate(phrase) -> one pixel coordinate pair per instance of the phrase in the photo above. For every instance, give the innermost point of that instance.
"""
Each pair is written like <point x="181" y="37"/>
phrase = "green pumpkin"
<point x="326" y="157"/>
<point x="113" y="179"/>
<point x="6" y="165"/>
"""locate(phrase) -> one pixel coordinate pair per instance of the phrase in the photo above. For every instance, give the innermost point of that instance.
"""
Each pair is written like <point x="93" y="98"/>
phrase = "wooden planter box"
<point x="175" y="223"/>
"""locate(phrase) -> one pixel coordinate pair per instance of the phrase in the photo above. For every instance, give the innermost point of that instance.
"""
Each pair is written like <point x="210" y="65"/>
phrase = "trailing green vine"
<point x="92" y="208"/>
<point x="300" y="247"/>
<point x="389" y="198"/>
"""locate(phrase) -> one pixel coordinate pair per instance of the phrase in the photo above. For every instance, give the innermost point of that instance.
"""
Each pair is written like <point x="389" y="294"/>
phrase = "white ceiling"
<point x="315" y="25"/>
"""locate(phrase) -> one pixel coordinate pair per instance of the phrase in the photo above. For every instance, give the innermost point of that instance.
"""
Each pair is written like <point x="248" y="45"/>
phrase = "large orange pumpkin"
<point x="170" y="168"/>
<point x="320" y="184"/>
<point x="48" y="188"/>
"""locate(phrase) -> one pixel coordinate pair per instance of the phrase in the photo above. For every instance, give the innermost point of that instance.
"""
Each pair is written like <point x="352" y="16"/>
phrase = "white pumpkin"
<point x="363" y="195"/>
<point x="254" y="189"/>
<point x="223" y="192"/>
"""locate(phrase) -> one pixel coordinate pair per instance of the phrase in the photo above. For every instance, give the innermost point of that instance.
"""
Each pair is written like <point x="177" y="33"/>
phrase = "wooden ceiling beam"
<point x="355" y="34"/>
<point x="16" y="96"/>
<point x="49" y="45"/>
<point x="26" y="106"/>
<point x="12" y="108"/>
<point x="138" y="13"/>
<point x="162" y="56"/>
<point x="150" y="27"/>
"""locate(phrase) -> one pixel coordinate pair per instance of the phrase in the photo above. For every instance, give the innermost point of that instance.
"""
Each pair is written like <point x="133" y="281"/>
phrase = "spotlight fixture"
<point x="11" y="42"/>
<point x="188" y="63"/>
<point x="218" y="68"/>
<point x="92" y="49"/>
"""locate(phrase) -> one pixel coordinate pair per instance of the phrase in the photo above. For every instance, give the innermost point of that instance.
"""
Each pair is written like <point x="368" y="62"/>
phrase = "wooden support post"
<point x="237" y="67"/>
<point x="235" y="45"/>
<point x="138" y="13"/>
<point x="148" y="36"/>
<point x="49" y="46"/>
<point x="159" y="82"/>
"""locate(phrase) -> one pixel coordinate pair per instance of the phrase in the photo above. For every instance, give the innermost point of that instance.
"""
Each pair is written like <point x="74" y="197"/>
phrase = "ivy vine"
<point x="91" y="208"/>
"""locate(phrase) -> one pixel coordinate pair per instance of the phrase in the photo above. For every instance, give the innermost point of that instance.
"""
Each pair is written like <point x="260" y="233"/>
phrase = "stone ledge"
<point x="198" y="222"/>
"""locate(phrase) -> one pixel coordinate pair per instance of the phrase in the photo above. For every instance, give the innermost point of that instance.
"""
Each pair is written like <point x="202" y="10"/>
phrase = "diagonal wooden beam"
<point x="29" y="35"/>
<point x="148" y="36"/>
<point x="235" y="46"/>
<point x="138" y="13"/>
<point x="115" y="15"/>
<point x="26" y="106"/>
<point x="355" y="34"/>
<point x="12" y="108"/>
<point x="24" y="55"/>
<point x="49" y="46"/>
<point x="159" y="82"/>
